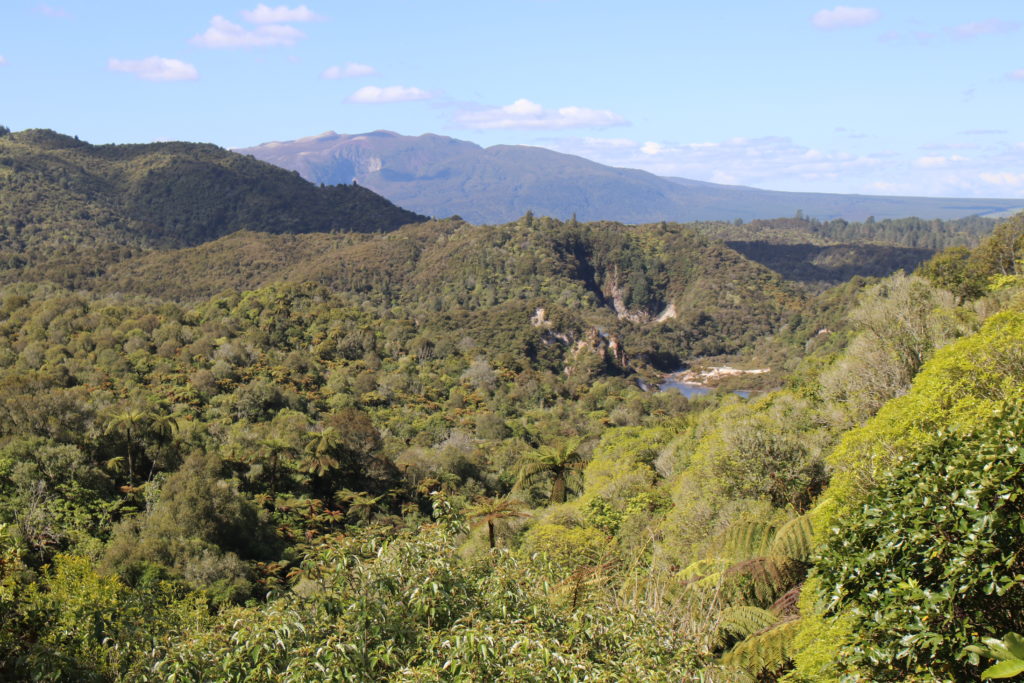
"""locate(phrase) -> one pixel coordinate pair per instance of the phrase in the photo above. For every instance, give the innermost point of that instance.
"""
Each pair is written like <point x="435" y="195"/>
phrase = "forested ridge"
<point x="69" y="208"/>
<point x="426" y="454"/>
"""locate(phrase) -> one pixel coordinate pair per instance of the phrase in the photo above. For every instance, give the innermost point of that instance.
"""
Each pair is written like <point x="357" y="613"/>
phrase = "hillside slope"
<point x="664" y="291"/>
<point x="168" y="193"/>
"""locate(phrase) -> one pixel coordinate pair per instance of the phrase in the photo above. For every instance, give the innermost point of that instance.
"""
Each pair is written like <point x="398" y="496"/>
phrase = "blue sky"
<point x="901" y="97"/>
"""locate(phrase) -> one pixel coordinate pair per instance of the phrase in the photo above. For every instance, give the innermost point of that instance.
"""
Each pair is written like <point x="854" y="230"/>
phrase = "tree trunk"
<point x="131" y="463"/>
<point x="558" y="488"/>
<point x="490" y="532"/>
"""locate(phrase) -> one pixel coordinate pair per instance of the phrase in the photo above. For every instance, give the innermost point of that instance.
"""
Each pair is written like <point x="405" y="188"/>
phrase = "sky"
<point x="906" y="98"/>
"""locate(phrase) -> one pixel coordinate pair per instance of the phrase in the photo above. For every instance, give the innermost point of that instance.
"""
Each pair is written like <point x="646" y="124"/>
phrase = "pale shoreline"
<point x="709" y="377"/>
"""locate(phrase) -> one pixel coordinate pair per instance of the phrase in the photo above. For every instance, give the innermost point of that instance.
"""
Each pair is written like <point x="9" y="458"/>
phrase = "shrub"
<point x="933" y="560"/>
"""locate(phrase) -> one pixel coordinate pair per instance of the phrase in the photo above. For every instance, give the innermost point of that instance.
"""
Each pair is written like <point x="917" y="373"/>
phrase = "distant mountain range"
<point x="442" y="176"/>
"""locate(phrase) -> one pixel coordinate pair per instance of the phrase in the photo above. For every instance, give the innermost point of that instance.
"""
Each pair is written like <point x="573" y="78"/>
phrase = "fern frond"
<point x="745" y="540"/>
<point x="765" y="653"/>
<point x="759" y="579"/>
<point x="786" y="606"/>
<point x="744" y="621"/>
<point x="701" y="568"/>
<point x="794" y="539"/>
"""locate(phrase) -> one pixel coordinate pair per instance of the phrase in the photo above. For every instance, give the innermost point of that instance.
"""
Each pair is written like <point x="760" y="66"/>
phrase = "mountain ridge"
<point x="443" y="176"/>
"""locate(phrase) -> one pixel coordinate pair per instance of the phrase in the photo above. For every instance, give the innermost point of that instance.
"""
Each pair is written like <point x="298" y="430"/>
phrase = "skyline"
<point x="878" y="98"/>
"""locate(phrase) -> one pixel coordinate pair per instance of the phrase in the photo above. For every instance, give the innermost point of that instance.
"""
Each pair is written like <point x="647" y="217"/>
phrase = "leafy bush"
<point x="933" y="559"/>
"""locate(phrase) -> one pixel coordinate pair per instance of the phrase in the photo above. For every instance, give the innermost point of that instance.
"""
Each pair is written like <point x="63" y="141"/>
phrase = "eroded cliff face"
<point x="588" y="348"/>
<point x="616" y="293"/>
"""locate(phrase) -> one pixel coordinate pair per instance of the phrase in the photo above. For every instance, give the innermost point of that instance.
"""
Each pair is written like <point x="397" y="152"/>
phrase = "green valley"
<point x="252" y="429"/>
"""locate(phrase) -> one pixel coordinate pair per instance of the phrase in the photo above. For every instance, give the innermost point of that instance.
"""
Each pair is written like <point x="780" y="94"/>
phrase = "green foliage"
<point x="958" y="389"/>
<point x="1009" y="651"/>
<point x="201" y="527"/>
<point x="76" y="624"/>
<point x="916" y="233"/>
<point x="743" y="621"/>
<point x="743" y="459"/>
<point x="406" y="608"/>
<point x="566" y="548"/>
<point x="764" y="654"/>
<point x="818" y="639"/>
<point x="954" y="269"/>
<point x="1001" y="252"/>
<point x="161" y="464"/>
<point x="931" y="561"/>
<point x="560" y="464"/>
<point x="794" y="539"/>
<point x="901" y="321"/>
<point x="180" y="192"/>
<point x="491" y="510"/>
<point x="621" y="467"/>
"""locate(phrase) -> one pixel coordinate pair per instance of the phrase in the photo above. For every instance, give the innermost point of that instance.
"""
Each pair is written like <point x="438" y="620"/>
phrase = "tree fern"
<point x="769" y="564"/>
<point x="794" y="539"/>
<point x="787" y="604"/>
<point x="765" y="653"/>
<point x="740" y="622"/>
<point x="746" y="540"/>
<point x="759" y="579"/>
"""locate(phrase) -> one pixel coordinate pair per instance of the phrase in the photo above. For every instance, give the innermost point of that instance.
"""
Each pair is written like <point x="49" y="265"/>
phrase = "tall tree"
<point x="321" y="451"/>
<point x="490" y="510"/>
<point x="557" y="463"/>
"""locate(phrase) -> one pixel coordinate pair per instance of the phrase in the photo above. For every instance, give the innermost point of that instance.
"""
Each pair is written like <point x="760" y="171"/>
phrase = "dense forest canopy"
<point x="436" y="451"/>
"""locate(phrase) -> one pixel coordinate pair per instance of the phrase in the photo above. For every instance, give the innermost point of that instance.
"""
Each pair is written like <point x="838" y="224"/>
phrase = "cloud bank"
<point x="981" y="28"/>
<point x="282" y="14"/>
<point x="526" y="114"/>
<point x="155" y="69"/>
<point x="779" y="163"/>
<point x="350" y="70"/>
<point x="842" y="16"/>
<point x="224" y="33"/>
<point x="372" y="94"/>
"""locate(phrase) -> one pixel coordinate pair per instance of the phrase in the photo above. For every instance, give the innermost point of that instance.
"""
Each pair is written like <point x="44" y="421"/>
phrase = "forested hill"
<point x="664" y="292"/>
<point x="411" y="473"/>
<point x="442" y="176"/>
<point x="55" y="188"/>
<point x="424" y="454"/>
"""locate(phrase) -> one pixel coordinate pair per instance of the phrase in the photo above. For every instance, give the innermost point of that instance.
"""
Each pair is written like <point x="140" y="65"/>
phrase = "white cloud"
<point x="155" y="69"/>
<point x="842" y="16"/>
<point x="1017" y="75"/>
<point x="526" y="114"/>
<point x="779" y="163"/>
<point x="766" y="161"/>
<point x="1004" y="179"/>
<point x="223" y="33"/>
<point x="938" y="161"/>
<point x="3" y="60"/>
<point x="884" y="187"/>
<point x="282" y="14"/>
<point x="980" y="28"/>
<point x="941" y="146"/>
<point x="609" y="142"/>
<point x="350" y="70"/>
<point x="371" y="94"/>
